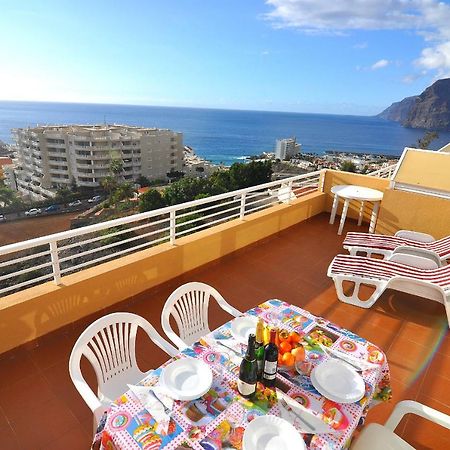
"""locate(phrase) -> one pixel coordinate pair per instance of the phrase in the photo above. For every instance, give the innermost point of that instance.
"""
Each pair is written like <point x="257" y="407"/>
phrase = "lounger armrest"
<point x="415" y="236"/>
<point x="422" y="252"/>
<point x="419" y="262"/>
<point x="411" y="407"/>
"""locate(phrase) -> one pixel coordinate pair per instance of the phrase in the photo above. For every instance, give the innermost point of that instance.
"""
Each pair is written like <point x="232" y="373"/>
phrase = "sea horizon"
<point x="227" y="135"/>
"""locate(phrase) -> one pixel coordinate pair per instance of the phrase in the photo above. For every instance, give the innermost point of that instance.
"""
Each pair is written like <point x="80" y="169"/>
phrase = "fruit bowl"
<point x="290" y="350"/>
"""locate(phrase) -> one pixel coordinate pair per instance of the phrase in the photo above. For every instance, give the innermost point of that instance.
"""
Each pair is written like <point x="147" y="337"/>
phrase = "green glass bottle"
<point x="248" y="371"/>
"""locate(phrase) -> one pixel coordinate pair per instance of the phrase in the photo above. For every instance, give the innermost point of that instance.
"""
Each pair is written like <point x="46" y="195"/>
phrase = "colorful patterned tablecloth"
<point x="219" y="418"/>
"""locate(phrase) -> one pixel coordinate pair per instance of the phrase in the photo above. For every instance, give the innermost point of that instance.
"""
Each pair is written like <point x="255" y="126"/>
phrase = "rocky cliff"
<point x="398" y="111"/>
<point x="430" y="110"/>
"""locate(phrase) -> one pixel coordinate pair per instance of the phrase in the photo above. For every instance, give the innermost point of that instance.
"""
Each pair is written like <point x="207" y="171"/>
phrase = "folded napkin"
<point x="157" y="402"/>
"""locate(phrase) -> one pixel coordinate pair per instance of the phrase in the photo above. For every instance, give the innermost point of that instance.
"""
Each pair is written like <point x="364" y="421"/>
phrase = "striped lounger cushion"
<point x="386" y="270"/>
<point x="383" y="242"/>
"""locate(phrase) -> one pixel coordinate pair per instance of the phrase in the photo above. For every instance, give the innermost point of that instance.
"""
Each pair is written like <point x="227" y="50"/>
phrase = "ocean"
<point x="227" y="136"/>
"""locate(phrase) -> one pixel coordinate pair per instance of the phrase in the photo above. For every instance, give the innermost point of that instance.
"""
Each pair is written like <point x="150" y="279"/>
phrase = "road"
<point x="21" y="230"/>
<point x="62" y="209"/>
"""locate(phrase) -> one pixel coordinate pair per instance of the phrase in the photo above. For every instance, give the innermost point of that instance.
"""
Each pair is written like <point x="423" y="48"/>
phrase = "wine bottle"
<point x="270" y="360"/>
<point x="248" y="371"/>
<point x="259" y="347"/>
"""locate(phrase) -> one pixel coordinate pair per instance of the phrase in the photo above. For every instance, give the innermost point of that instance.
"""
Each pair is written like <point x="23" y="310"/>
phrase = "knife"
<point x="323" y="428"/>
<point x="220" y="342"/>
<point x="299" y="417"/>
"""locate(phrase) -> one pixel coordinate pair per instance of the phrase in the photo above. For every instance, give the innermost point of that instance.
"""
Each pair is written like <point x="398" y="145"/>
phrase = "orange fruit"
<point x="299" y="353"/>
<point x="280" y="359"/>
<point x="285" y="347"/>
<point x="283" y="335"/>
<point x="288" y="359"/>
<point x="294" y="338"/>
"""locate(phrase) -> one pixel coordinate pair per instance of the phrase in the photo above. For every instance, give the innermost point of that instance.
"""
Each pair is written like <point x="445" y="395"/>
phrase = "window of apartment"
<point x="82" y="143"/>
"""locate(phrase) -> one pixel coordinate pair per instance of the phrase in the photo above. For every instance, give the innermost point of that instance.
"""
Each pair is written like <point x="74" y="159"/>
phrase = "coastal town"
<point x="36" y="167"/>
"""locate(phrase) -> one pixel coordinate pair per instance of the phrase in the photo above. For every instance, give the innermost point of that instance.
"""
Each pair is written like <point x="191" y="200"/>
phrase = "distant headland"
<point x="430" y="110"/>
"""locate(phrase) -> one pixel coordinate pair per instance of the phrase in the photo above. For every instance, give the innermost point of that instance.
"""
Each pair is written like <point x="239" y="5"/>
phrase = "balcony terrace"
<point x="281" y="251"/>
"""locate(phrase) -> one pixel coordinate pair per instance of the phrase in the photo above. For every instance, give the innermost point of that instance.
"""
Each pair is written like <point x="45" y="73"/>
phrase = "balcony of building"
<point x="280" y="248"/>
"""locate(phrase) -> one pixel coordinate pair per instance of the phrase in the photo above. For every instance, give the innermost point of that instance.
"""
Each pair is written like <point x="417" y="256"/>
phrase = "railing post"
<point x="172" y="227"/>
<point x="55" y="262"/>
<point x="322" y="179"/>
<point x="289" y="193"/>
<point x="242" y="210"/>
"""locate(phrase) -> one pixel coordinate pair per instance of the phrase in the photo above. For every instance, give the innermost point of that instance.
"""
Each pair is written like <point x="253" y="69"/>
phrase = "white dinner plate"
<point x="242" y="326"/>
<point x="186" y="379"/>
<point x="338" y="381"/>
<point x="272" y="433"/>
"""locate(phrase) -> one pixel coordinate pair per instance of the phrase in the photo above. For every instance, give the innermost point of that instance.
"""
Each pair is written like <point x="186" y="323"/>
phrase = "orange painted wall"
<point x="402" y="210"/>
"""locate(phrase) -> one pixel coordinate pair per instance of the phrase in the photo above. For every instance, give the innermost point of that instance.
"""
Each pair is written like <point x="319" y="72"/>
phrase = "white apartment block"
<point x="286" y="148"/>
<point x="51" y="157"/>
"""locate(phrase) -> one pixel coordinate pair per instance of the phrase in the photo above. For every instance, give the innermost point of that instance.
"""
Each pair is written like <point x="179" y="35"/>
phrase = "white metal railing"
<point x="385" y="172"/>
<point x="50" y="257"/>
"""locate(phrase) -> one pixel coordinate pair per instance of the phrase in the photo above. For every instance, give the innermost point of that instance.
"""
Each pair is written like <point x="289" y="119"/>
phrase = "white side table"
<point x="359" y="193"/>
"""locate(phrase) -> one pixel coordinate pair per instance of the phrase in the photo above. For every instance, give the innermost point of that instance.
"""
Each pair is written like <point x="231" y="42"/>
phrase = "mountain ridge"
<point x="430" y="110"/>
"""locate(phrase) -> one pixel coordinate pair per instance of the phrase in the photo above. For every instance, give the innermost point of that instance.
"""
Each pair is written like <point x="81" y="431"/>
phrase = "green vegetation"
<point x="348" y="166"/>
<point x="239" y="176"/>
<point x="427" y="139"/>
<point x="8" y="197"/>
<point x="183" y="226"/>
<point x="151" y="200"/>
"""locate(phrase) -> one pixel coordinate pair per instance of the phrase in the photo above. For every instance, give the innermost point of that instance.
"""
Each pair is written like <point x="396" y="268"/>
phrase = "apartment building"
<point x="286" y="148"/>
<point x="51" y="157"/>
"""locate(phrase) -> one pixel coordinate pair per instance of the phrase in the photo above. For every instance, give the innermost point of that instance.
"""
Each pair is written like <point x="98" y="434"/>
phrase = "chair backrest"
<point x="189" y="307"/>
<point x="110" y="346"/>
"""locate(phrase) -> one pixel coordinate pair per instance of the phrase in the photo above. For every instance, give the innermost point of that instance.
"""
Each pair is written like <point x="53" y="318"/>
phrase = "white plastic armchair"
<point x="189" y="307"/>
<point x="383" y="437"/>
<point x="109" y="344"/>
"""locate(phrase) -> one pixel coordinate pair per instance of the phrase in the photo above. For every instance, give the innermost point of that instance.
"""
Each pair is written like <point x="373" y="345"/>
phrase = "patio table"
<point x="219" y="418"/>
<point x="359" y="193"/>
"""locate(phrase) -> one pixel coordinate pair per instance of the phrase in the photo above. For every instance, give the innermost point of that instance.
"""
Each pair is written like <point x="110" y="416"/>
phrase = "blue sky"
<point x="343" y="56"/>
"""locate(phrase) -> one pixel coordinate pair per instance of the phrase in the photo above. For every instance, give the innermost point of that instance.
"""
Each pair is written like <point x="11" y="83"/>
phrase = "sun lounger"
<point x="420" y="244"/>
<point x="407" y="273"/>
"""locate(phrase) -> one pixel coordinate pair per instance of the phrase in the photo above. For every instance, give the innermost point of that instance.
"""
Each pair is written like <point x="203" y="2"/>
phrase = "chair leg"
<point x="354" y="299"/>
<point x="447" y="308"/>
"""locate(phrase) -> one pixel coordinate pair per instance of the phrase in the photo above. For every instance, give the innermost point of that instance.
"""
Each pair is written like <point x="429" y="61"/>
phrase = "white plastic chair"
<point x="383" y="437"/>
<point x="284" y="194"/>
<point x="189" y="306"/>
<point x="109" y="344"/>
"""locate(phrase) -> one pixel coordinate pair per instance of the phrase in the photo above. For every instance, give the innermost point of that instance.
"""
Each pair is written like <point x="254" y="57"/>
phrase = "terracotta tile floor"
<point x="40" y="409"/>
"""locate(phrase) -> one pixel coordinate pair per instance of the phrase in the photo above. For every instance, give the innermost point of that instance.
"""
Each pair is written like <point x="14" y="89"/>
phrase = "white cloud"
<point x="361" y="45"/>
<point x="265" y="52"/>
<point x="428" y="18"/>
<point x="436" y="58"/>
<point x="380" y="64"/>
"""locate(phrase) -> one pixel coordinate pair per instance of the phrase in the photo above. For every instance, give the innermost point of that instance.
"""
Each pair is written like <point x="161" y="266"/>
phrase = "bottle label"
<point x="270" y="369"/>
<point x="259" y="363"/>
<point x="245" y="388"/>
